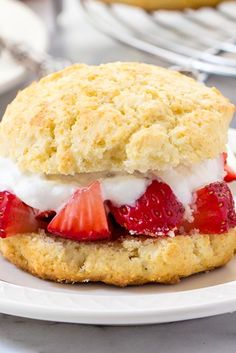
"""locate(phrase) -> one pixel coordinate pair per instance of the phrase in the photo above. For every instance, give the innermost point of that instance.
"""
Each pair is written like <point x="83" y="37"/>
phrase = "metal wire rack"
<point x="198" y="41"/>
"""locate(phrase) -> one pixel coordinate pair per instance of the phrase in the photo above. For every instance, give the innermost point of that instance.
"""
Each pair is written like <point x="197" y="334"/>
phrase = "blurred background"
<point x="87" y="31"/>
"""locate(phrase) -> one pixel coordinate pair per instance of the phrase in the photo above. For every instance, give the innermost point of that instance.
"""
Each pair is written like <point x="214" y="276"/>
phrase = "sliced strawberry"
<point x="46" y="216"/>
<point x="214" y="211"/>
<point x="15" y="216"/>
<point x="83" y="217"/>
<point x="156" y="212"/>
<point x="229" y="169"/>
<point x="231" y="175"/>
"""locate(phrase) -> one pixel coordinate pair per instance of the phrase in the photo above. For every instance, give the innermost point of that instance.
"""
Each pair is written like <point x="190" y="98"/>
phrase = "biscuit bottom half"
<point x="126" y="261"/>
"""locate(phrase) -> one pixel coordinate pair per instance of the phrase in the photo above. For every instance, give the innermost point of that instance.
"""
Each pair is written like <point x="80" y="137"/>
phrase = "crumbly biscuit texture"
<point x="167" y="4"/>
<point x="127" y="261"/>
<point x="114" y="117"/>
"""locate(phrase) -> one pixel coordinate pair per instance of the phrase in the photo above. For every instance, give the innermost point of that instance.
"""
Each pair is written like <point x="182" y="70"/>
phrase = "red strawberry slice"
<point x="83" y="217"/>
<point x="230" y="170"/>
<point x="15" y="216"/>
<point x="46" y="216"/>
<point x="231" y="175"/>
<point x="157" y="212"/>
<point x="214" y="211"/>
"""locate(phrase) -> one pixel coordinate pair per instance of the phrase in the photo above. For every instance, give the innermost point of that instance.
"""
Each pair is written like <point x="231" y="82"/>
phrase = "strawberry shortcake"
<point x="116" y="173"/>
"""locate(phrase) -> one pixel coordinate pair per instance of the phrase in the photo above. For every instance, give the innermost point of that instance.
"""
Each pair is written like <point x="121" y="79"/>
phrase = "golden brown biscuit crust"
<point x="114" y="117"/>
<point x="127" y="261"/>
<point x="167" y="4"/>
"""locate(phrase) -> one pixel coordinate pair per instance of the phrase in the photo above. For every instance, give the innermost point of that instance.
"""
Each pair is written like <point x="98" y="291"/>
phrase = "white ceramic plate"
<point x="18" y="23"/>
<point x="198" y="296"/>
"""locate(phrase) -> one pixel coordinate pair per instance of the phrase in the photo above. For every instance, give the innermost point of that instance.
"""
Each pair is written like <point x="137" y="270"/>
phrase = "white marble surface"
<point x="216" y="335"/>
<point x="79" y="42"/>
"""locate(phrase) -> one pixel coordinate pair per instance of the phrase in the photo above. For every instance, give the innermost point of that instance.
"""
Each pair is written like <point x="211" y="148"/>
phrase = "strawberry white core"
<point x="44" y="193"/>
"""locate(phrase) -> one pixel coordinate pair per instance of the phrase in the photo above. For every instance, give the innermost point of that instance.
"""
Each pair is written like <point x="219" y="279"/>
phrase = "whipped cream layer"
<point x="51" y="193"/>
<point x="184" y="180"/>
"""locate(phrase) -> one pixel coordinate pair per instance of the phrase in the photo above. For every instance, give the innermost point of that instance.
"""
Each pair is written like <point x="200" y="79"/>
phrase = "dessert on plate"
<point x="116" y="173"/>
<point x="167" y="4"/>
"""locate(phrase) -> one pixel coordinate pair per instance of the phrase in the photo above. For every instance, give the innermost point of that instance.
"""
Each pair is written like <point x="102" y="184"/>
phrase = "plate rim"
<point x="101" y="314"/>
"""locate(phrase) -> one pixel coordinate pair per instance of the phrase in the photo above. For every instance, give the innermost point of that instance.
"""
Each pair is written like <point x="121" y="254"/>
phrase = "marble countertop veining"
<point x="78" y="41"/>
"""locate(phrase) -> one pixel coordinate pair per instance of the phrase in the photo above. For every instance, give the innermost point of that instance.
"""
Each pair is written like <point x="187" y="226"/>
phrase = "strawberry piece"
<point x="214" y="211"/>
<point x="231" y="175"/>
<point x="157" y="212"/>
<point x="46" y="216"/>
<point x="15" y="216"/>
<point x="230" y="170"/>
<point x="83" y="217"/>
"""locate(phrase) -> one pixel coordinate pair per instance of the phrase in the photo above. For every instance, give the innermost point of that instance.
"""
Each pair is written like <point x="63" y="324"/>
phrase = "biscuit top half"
<point x="167" y="4"/>
<point x="120" y="117"/>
